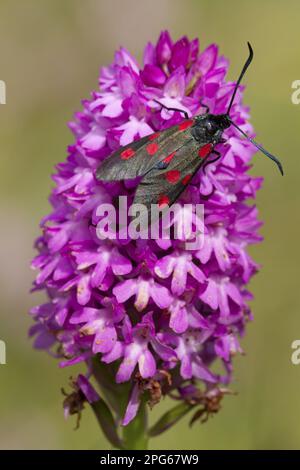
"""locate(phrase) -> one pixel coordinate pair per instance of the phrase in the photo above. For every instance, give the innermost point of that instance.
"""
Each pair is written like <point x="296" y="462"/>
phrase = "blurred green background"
<point x="50" y="54"/>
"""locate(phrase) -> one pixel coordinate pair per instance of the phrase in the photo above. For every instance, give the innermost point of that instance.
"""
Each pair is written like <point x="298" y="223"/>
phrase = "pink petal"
<point x="203" y="373"/>
<point x="62" y="270"/>
<point x="87" y="389"/>
<point x="113" y="109"/>
<point x="142" y="295"/>
<point x="84" y="315"/>
<point x="99" y="273"/>
<point x="164" y="47"/>
<point x="161" y="296"/>
<point x="186" y="367"/>
<point x="126" y="368"/>
<point x="83" y="290"/>
<point x="179" y="276"/>
<point x="205" y="252"/>
<point x="85" y="259"/>
<point x="60" y="238"/>
<point x="153" y="76"/>
<point x="175" y="85"/>
<point x="47" y="271"/>
<point x="119" y="264"/>
<point x="94" y="140"/>
<point x="196" y="273"/>
<point x="207" y="59"/>
<point x="179" y="319"/>
<point x="223" y="300"/>
<point x="124" y="290"/>
<point x="61" y="316"/>
<point x="147" y="364"/>
<point x="105" y="340"/>
<point x="165" y="352"/>
<point x="234" y="293"/>
<point x="114" y="354"/>
<point x="149" y="54"/>
<point x="164" y="266"/>
<point x="180" y="54"/>
<point x="133" y="405"/>
<point x="210" y="295"/>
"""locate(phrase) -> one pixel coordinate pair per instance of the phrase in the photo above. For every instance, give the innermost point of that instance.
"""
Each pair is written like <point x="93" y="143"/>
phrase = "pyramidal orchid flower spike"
<point x="145" y="318"/>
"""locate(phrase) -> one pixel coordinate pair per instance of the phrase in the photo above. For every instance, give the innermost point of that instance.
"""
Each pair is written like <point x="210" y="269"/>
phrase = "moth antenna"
<point x="268" y="154"/>
<point x="247" y="63"/>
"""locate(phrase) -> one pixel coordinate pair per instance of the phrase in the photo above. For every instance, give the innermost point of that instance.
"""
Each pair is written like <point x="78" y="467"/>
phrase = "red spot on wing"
<point x="163" y="200"/>
<point x="185" y="124"/>
<point x="187" y="179"/>
<point x="154" y="136"/>
<point x="152" y="148"/>
<point x="127" y="153"/>
<point x="169" y="157"/>
<point x="205" y="150"/>
<point x="173" y="176"/>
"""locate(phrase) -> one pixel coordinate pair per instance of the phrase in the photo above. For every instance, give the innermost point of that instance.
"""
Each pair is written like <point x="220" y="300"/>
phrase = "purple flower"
<point x="179" y="264"/>
<point x="136" y="350"/>
<point x="219" y="292"/>
<point x="147" y="310"/>
<point x="100" y="323"/>
<point x="190" y="344"/>
<point x="143" y="288"/>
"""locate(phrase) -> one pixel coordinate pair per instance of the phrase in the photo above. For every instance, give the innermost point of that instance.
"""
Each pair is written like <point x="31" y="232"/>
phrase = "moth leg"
<point x="186" y="116"/>
<point x="208" y="162"/>
<point x="204" y="106"/>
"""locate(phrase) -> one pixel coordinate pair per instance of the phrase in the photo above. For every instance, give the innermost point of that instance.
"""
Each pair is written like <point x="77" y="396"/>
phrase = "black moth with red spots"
<point x="167" y="160"/>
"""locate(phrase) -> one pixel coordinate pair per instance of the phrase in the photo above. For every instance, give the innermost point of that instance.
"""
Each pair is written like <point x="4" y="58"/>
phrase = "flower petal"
<point x="124" y="290"/>
<point x="120" y="265"/>
<point x="161" y="296"/>
<point x="147" y="364"/>
<point x="179" y="318"/>
<point x="105" y="340"/>
<point x="133" y="405"/>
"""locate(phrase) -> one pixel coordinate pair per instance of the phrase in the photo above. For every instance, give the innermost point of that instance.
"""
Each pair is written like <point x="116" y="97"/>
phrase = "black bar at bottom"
<point x="134" y="459"/>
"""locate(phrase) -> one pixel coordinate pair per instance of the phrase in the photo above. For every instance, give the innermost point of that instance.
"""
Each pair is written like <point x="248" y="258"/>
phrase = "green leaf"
<point x="107" y="422"/>
<point x="169" y="419"/>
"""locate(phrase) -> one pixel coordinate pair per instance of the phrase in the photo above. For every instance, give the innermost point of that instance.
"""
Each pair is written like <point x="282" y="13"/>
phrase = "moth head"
<point x="214" y="125"/>
<point x="217" y="122"/>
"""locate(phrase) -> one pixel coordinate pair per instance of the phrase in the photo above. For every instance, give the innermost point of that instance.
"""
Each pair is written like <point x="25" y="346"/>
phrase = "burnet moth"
<point x="167" y="160"/>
